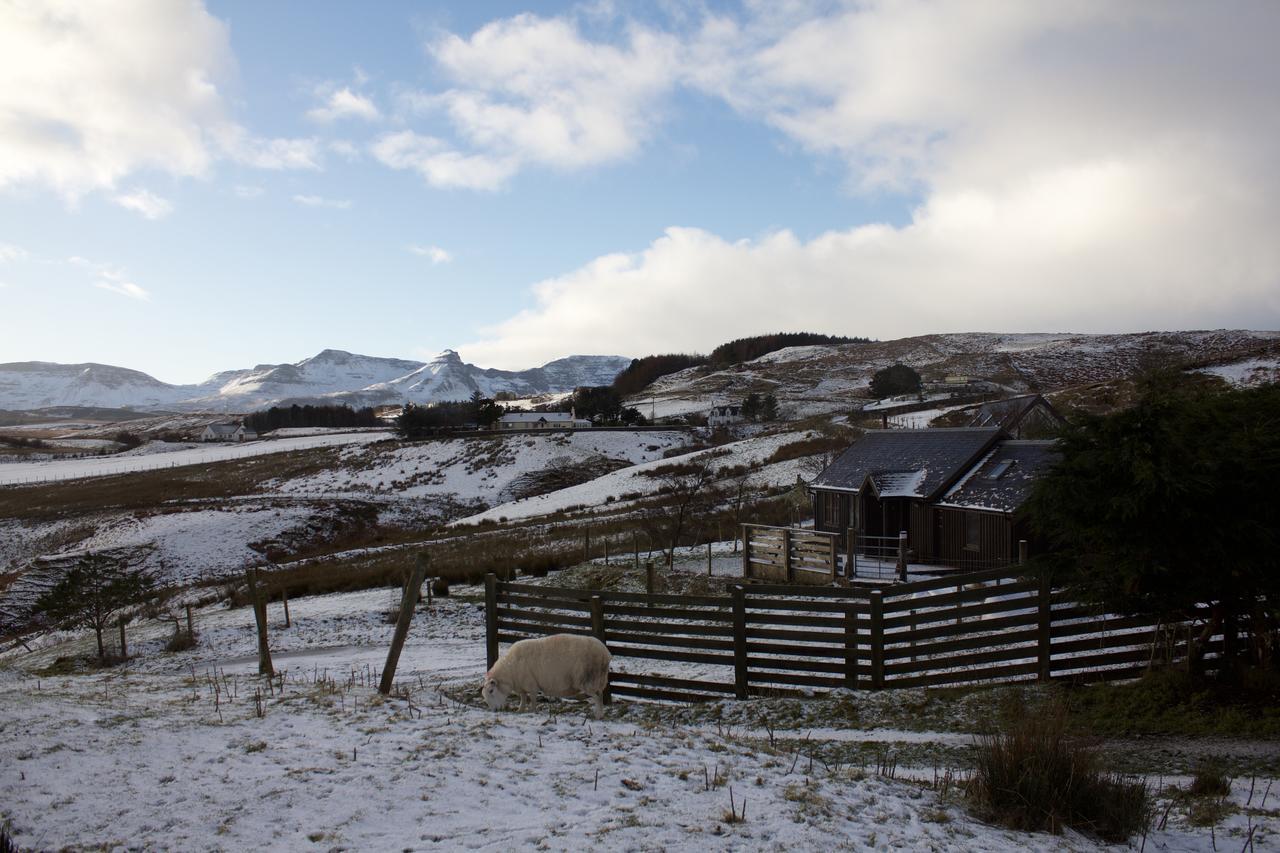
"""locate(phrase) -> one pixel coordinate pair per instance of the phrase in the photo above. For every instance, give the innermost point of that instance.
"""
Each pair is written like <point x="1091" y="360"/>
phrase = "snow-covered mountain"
<point x="447" y="377"/>
<point x="40" y="384"/>
<point x="330" y="376"/>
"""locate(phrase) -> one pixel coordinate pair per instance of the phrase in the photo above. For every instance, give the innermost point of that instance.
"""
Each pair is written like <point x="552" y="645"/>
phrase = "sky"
<point x="187" y="186"/>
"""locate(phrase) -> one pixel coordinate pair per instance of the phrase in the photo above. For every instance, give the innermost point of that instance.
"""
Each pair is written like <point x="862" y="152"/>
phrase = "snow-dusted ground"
<point x="1247" y="373"/>
<point x="477" y="469"/>
<point x="15" y="473"/>
<point x="170" y="752"/>
<point x="636" y="480"/>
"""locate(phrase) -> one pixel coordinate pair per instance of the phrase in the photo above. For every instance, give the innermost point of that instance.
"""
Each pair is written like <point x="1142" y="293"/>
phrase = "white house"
<point x="541" y="420"/>
<point x="721" y="416"/>
<point x="227" y="432"/>
<point x="219" y="432"/>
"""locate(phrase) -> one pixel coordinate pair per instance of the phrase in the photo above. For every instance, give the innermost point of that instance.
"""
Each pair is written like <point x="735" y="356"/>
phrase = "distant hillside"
<point x="749" y="349"/>
<point x="823" y="379"/>
<point x="643" y="372"/>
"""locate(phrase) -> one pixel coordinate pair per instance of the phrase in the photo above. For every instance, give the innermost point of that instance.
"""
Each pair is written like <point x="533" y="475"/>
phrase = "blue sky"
<point x="189" y="187"/>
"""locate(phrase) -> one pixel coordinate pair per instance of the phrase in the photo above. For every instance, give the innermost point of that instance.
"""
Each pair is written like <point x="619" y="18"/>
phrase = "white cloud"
<point x="123" y="288"/>
<point x="246" y="191"/>
<point x="111" y="279"/>
<point x="146" y="203"/>
<point x="1081" y="166"/>
<point x="238" y="144"/>
<point x="93" y="92"/>
<point x="320" y="201"/>
<point x="344" y="103"/>
<point x="10" y="252"/>
<point x="533" y="90"/>
<point x="440" y="165"/>
<point x="436" y="254"/>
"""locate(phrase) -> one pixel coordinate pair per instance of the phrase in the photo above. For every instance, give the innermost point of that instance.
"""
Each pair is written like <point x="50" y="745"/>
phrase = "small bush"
<point x="1032" y="777"/>
<point x="1210" y="780"/>
<point x="180" y="641"/>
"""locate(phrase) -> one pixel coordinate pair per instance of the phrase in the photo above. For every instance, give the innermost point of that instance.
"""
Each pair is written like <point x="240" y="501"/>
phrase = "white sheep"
<point x="562" y="665"/>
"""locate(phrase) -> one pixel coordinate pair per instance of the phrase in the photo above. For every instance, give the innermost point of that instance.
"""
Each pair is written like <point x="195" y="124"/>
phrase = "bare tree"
<point x="686" y="487"/>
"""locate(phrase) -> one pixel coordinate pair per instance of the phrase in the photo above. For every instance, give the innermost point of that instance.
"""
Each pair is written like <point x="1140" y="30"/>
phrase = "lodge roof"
<point x="1004" y="478"/>
<point x="908" y="463"/>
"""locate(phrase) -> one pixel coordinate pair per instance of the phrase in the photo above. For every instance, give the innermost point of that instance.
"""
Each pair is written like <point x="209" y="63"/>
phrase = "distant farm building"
<point x="227" y="432"/>
<point x="722" y="416"/>
<point x="541" y="420"/>
<point x="954" y="492"/>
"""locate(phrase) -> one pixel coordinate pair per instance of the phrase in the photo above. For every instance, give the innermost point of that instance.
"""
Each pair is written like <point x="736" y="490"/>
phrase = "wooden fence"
<point x="990" y="626"/>
<point x="790" y="555"/>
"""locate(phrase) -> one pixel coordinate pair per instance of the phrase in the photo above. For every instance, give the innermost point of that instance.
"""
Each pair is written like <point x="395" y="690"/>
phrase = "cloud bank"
<point x="1089" y="166"/>
<point x="93" y="92"/>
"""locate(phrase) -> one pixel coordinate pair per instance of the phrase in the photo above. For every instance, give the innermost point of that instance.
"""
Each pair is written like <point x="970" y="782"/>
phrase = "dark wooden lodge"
<point x="954" y="491"/>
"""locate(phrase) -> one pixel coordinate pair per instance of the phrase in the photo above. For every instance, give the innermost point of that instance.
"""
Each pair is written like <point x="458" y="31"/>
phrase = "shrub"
<point x="1032" y="777"/>
<point x="180" y="640"/>
<point x="1209" y="781"/>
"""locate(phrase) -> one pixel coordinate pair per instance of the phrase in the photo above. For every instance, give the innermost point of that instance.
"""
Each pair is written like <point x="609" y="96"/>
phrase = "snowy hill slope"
<point x="819" y="379"/>
<point x="38" y="384"/>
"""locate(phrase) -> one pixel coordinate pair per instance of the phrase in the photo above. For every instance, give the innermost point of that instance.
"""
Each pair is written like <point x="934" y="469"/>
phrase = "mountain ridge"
<point x="331" y="376"/>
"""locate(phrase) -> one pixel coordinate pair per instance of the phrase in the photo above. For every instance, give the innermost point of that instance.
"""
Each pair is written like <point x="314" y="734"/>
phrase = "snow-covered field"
<point x="488" y="470"/>
<point x="637" y="480"/>
<point x="15" y="473"/>
<point x="171" y="752"/>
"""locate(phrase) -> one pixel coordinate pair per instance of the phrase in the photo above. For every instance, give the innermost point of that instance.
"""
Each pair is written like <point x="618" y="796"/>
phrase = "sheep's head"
<point x="494" y="692"/>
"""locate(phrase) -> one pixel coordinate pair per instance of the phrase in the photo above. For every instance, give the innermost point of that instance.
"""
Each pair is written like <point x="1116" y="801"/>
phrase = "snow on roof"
<point x="1003" y="480"/>
<point x="535" y="417"/>
<point x="223" y="429"/>
<point x="899" y="484"/>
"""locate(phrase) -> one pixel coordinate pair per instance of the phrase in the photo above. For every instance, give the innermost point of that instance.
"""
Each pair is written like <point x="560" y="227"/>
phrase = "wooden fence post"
<point x="284" y="598"/>
<point x="1022" y="552"/>
<point x="851" y="561"/>
<point x="491" y="619"/>
<point x="635" y="546"/>
<point x="124" y="652"/>
<point x="746" y="552"/>
<point x="648" y="577"/>
<point x="902" y="556"/>
<point x="788" y="572"/>
<point x="708" y="559"/>
<point x="741" y="684"/>
<point x="260" y="616"/>
<point x="851" y="647"/>
<point x="831" y="543"/>
<point x="407" y="602"/>
<point x="877" y="639"/>
<point x="1044" y="620"/>
<point x="597" y="631"/>
<point x="191" y="629"/>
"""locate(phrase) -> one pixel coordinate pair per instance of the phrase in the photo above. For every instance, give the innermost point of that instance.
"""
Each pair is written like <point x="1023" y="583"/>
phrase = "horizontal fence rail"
<point x="987" y="626"/>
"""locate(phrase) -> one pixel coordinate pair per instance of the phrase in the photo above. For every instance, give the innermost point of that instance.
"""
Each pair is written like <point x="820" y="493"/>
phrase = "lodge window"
<point x="972" y="531"/>
<point x="831" y="511"/>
